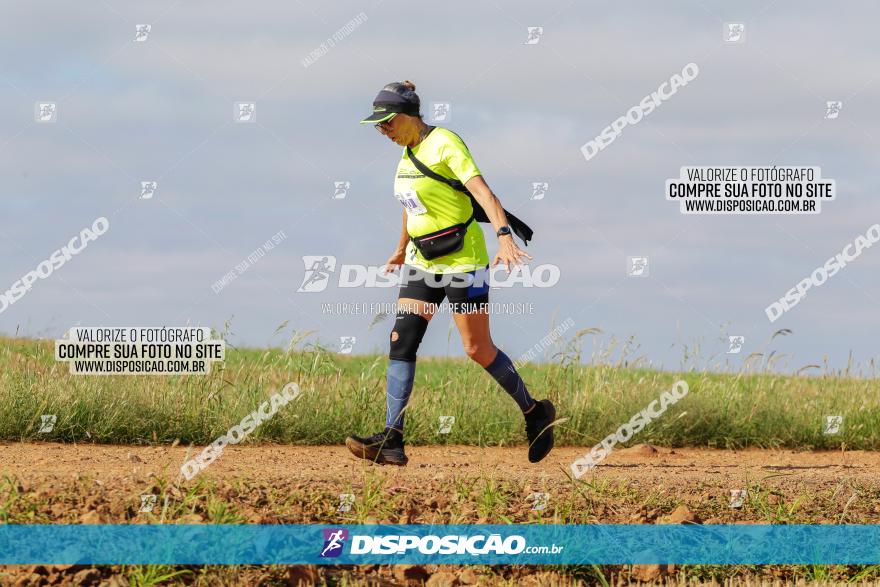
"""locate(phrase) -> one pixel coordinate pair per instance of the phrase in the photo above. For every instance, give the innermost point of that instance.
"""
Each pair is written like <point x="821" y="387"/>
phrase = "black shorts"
<point x="467" y="292"/>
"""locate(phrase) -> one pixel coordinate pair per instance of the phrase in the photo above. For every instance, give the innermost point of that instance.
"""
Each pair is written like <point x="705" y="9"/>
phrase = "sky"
<point x="164" y="109"/>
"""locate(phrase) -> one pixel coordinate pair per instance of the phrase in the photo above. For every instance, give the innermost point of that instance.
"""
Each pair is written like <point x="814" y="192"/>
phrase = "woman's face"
<point x="395" y="129"/>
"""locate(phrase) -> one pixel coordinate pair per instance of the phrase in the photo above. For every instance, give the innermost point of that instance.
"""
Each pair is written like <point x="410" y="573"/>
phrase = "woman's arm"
<point x="488" y="201"/>
<point x="508" y="252"/>
<point x="397" y="257"/>
<point x="404" y="238"/>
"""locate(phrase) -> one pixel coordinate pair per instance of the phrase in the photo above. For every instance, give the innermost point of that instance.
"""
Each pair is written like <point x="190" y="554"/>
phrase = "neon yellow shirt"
<point x="432" y="205"/>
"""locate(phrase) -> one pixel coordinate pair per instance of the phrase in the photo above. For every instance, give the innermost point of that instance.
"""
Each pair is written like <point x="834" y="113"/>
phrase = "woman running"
<point x="445" y="256"/>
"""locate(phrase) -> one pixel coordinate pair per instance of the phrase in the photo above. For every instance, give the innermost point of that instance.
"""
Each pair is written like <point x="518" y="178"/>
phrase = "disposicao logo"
<point x="431" y="544"/>
<point x="333" y="542"/>
<point x="448" y="544"/>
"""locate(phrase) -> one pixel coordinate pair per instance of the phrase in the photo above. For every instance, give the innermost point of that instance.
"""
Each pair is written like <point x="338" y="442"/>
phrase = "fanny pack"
<point x="442" y="242"/>
<point x="517" y="226"/>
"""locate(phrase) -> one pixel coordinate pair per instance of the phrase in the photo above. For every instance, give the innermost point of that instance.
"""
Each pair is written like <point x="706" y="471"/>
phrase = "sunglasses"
<point x="384" y="127"/>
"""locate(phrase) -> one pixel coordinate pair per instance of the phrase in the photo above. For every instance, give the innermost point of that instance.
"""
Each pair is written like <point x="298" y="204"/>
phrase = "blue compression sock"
<point x="401" y="375"/>
<point x="502" y="369"/>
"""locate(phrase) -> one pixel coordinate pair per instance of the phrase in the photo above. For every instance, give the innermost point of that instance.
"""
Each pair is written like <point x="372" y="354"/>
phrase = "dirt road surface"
<point x="662" y="478"/>
<point x="272" y="484"/>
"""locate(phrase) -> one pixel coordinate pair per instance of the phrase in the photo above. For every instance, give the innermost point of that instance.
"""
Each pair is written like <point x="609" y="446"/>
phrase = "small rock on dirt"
<point x="442" y="579"/>
<point x="90" y="517"/>
<point x="642" y="449"/>
<point x="31" y="580"/>
<point x="301" y="575"/>
<point x="60" y="568"/>
<point x="468" y="577"/>
<point x="651" y="572"/>
<point x="681" y="515"/>
<point x="87" y="577"/>
<point x="410" y="573"/>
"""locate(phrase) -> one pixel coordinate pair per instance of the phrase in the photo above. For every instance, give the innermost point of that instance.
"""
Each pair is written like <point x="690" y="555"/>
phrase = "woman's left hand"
<point x="508" y="253"/>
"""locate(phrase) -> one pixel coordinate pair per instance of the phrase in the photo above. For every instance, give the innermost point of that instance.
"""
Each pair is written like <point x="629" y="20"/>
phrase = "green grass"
<point x="345" y="394"/>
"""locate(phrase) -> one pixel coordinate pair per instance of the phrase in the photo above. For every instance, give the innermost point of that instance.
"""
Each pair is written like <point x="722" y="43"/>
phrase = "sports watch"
<point x="503" y="230"/>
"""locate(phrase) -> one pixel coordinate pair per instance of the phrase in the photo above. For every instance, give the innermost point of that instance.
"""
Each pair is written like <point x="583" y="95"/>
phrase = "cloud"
<point x="163" y="110"/>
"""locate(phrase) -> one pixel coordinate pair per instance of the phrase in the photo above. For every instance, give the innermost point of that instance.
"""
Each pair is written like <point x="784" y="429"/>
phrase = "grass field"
<point x="345" y="394"/>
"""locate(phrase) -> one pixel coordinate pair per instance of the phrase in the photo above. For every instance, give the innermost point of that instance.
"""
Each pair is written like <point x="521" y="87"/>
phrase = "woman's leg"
<point x="416" y="305"/>
<point x="477" y="342"/>
<point x="410" y="324"/>
<point x="540" y="416"/>
<point x="417" y="301"/>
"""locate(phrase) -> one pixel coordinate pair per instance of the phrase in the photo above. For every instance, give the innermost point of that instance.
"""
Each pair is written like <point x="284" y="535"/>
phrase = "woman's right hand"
<point x="394" y="261"/>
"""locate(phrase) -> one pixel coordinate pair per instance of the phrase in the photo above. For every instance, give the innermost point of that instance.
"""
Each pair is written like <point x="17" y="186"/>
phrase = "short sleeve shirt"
<point x="432" y="205"/>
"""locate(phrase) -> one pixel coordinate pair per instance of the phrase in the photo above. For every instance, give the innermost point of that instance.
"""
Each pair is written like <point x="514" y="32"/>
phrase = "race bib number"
<point x="411" y="202"/>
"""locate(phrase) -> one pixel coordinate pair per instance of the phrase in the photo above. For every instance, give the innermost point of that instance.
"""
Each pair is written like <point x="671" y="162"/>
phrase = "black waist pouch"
<point x="442" y="242"/>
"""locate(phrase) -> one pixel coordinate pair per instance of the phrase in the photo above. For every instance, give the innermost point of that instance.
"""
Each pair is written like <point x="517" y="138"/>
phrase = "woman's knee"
<point x="480" y="351"/>
<point x="406" y="336"/>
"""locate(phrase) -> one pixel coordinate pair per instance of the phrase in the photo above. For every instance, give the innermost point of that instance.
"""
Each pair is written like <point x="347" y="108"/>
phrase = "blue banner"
<point x="538" y="544"/>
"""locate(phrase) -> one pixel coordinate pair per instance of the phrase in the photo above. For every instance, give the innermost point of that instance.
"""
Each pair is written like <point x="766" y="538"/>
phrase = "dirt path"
<point x="334" y="463"/>
<point x="627" y="486"/>
<point x="270" y="484"/>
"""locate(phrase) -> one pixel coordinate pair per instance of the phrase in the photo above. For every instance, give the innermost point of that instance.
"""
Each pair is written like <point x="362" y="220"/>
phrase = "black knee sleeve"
<point x="406" y="336"/>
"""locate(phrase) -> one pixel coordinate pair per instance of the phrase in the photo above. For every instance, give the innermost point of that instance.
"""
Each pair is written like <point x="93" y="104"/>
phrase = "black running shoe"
<point x="384" y="448"/>
<point x="539" y="430"/>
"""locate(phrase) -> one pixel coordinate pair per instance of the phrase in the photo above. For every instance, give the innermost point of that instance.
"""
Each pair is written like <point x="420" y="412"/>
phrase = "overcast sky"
<point x="163" y="110"/>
